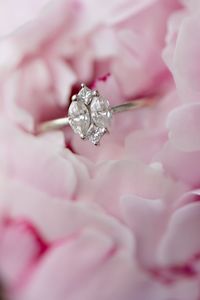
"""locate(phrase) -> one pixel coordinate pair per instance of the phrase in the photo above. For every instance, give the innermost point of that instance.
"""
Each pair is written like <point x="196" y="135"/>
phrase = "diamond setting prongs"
<point x="89" y="114"/>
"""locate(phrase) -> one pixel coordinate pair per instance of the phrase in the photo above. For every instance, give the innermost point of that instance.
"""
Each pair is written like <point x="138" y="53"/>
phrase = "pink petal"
<point x="145" y="144"/>
<point x="181" y="242"/>
<point x="186" y="70"/>
<point x="118" y="179"/>
<point x="74" y="274"/>
<point x="182" y="166"/>
<point x="62" y="218"/>
<point x="147" y="219"/>
<point x="52" y="173"/>
<point x="20" y="249"/>
<point x="28" y="11"/>
<point x="184" y="127"/>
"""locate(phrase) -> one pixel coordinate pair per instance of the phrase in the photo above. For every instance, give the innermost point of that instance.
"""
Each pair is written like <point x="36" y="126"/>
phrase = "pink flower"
<point x="184" y="53"/>
<point x="62" y="51"/>
<point x="118" y="222"/>
<point x="182" y="152"/>
<point x="127" y="237"/>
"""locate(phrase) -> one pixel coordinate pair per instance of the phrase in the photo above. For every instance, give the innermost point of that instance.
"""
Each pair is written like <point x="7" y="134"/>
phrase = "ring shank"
<point x="131" y="105"/>
<point x="61" y="123"/>
<point x="52" y="125"/>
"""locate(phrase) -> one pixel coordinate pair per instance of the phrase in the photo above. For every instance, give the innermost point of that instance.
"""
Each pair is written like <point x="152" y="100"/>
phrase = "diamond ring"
<point x="90" y="115"/>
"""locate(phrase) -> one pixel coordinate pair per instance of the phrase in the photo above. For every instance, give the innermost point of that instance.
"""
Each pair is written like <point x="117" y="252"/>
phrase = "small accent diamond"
<point x="85" y="95"/>
<point x="95" y="134"/>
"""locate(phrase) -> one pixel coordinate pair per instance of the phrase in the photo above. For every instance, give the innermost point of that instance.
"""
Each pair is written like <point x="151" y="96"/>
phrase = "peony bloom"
<point x="118" y="222"/>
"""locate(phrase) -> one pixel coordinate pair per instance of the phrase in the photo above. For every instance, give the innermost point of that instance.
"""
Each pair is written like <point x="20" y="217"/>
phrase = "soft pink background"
<point x="118" y="222"/>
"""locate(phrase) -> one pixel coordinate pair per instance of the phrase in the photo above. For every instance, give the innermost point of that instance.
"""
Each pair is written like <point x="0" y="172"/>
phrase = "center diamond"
<point x="89" y="115"/>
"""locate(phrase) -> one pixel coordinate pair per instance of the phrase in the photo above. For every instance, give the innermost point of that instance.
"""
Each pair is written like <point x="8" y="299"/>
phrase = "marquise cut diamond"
<point x="79" y="118"/>
<point x="100" y="112"/>
<point x="89" y="115"/>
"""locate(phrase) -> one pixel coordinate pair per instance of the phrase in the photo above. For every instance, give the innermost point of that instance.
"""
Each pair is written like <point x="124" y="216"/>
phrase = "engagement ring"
<point x="90" y="115"/>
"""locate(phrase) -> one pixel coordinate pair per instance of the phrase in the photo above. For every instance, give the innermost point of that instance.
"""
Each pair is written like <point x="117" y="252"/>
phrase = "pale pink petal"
<point x="82" y="273"/>
<point x="174" y="25"/>
<point x="185" y="69"/>
<point x="187" y="198"/>
<point x="115" y="180"/>
<point x="109" y="88"/>
<point x="147" y="219"/>
<point x="181" y="241"/>
<point x="192" y="4"/>
<point x="182" y="166"/>
<point x="63" y="78"/>
<point x="139" y="66"/>
<point x="62" y="218"/>
<point x="28" y="11"/>
<point x="50" y="172"/>
<point x="184" y="128"/>
<point x="15" y="265"/>
<point x="138" y="142"/>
